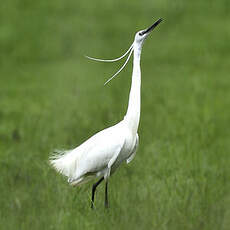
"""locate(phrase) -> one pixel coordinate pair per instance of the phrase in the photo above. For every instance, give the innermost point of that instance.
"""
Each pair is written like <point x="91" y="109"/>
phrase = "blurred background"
<point x="52" y="97"/>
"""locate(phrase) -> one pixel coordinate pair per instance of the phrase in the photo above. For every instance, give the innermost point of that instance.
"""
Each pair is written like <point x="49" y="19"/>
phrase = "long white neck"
<point x="132" y="116"/>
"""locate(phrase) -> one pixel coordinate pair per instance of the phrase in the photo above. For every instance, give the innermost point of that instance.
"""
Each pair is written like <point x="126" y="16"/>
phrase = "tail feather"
<point x="65" y="162"/>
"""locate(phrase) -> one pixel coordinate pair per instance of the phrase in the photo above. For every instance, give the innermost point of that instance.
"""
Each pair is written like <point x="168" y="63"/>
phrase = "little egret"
<point x="100" y="155"/>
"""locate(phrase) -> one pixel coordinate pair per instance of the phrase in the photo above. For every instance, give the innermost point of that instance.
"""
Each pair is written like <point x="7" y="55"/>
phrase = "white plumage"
<point x="100" y="155"/>
<point x="97" y="155"/>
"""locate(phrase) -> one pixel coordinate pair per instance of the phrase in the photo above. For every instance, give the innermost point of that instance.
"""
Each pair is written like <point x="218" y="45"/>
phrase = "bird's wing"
<point x="101" y="150"/>
<point x="134" y="150"/>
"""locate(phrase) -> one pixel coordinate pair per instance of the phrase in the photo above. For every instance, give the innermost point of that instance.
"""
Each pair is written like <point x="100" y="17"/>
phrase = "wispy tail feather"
<point x="65" y="162"/>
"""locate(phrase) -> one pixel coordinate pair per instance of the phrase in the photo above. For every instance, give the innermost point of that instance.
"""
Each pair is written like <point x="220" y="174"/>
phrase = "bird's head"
<point x="143" y="34"/>
<point x="136" y="45"/>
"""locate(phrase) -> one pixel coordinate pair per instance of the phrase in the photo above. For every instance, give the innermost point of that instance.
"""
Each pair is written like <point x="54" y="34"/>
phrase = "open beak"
<point x="147" y="31"/>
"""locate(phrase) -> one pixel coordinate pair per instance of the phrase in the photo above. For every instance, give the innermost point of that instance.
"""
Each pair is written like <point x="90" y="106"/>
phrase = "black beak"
<point x="152" y="26"/>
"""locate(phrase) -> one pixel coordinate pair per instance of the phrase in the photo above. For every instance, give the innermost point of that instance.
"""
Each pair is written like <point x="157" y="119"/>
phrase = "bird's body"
<point x="98" y="156"/>
<point x="102" y="154"/>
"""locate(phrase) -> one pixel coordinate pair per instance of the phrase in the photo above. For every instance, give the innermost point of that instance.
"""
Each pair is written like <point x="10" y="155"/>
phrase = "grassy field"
<point x="51" y="97"/>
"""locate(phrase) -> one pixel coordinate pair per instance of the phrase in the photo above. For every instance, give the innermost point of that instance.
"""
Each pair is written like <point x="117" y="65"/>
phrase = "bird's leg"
<point x="94" y="190"/>
<point x="106" y="194"/>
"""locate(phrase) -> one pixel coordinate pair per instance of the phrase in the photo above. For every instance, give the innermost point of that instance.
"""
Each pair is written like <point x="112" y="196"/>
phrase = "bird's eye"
<point x="140" y="33"/>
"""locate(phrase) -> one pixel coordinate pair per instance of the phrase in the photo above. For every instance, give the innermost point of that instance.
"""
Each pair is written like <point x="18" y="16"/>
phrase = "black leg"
<point x="94" y="190"/>
<point x="106" y="195"/>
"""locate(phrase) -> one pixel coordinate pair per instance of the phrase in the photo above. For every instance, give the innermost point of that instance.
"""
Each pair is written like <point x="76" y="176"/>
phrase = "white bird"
<point x="102" y="154"/>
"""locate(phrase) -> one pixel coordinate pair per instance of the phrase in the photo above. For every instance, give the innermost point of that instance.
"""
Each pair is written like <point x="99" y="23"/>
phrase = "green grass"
<point x="51" y="97"/>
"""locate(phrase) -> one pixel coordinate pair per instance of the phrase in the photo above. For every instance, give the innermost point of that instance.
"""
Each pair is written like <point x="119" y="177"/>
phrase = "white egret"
<point x="100" y="155"/>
